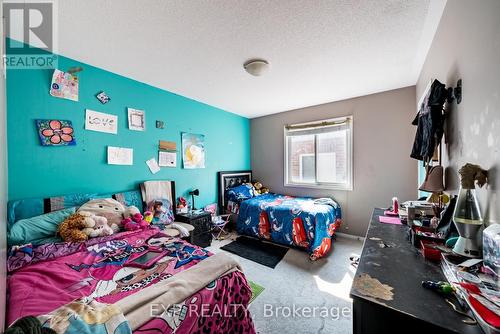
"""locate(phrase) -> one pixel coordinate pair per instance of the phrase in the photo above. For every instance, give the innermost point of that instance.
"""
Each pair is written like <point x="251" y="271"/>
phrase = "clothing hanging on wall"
<point x="430" y="122"/>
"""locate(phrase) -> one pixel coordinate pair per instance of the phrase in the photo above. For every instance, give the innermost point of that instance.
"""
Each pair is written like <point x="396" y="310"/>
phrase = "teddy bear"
<point x="83" y="225"/>
<point x="133" y="219"/>
<point x="257" y="186"/>
<point x="100" y="228"/>
<point x="259" y="189"/>
<point x="71" y="229"/>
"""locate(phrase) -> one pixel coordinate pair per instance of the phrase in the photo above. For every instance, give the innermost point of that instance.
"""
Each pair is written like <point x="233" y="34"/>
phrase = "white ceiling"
<point x="319" y="51"/>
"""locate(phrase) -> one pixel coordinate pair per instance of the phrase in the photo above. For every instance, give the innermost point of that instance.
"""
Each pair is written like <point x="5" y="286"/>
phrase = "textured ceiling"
<point x="319" y="51"/>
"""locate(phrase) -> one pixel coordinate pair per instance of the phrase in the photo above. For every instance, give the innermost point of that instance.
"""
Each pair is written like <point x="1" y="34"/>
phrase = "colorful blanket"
<point x="42" y="282"/>
<point x="293" y="221"/>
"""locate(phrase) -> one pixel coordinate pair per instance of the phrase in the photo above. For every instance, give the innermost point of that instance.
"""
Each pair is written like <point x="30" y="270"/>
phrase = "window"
<point x="319" y="154"/>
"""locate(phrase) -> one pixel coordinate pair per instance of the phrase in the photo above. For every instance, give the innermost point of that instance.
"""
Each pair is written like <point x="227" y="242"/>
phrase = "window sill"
<point x="320" y="186"/>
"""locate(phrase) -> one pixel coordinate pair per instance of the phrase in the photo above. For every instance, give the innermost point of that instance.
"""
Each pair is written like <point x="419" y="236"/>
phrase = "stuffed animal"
<point x="100" y="228"/>
<point x="148" y="216"/>
<point x="133" y="219"/>
<point x="162" y="211"/>
<point x="182" y="205"/>
<point x="71" y="229"/>
<point x="259" y="188"/>
<point x="106" y="207"/>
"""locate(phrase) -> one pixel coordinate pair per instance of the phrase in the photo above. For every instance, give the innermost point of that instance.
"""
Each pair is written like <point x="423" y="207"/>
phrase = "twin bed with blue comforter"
<point x="291" y="221"/>
<point x="302" y="222"/>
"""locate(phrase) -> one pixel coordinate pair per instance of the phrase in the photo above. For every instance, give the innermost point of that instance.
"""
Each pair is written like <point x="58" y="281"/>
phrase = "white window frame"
<point x="349" y="158"/>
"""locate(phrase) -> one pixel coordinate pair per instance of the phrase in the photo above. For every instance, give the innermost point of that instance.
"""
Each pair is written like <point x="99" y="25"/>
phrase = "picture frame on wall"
<point x="136" y="119"/>
<point x="55" y="132"/>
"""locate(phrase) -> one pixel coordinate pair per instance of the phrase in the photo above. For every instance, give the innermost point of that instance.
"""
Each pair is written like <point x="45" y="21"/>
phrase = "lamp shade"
<point x="433" y="182"/>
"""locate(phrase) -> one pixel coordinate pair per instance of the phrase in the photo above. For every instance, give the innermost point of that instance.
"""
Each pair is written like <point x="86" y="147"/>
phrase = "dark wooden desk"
<point x="412" y="309"/>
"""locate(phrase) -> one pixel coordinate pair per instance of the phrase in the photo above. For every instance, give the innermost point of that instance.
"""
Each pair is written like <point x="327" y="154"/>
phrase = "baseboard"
<point x="350" y="236"/>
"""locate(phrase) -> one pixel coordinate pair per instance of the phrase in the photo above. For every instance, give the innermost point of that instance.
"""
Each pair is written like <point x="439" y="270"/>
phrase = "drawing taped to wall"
<point x="120" y="156"/>
<point x="167" y="159"/>
<point x="136" y="119"/>
<point x="193" y="150"/>
<point x="64" y="85"/>
<point x="101" y="122"/>
<point x="55" y="132"/>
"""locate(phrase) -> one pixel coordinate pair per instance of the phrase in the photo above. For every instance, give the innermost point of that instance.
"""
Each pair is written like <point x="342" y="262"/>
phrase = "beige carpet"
<point x="320" y="287"/>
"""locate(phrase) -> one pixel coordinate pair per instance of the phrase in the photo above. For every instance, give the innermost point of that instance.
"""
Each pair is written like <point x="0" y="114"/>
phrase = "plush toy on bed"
<point x="100" y="228"/>
<point x="81" y="225"/>
<point x="133" y="219"/>
<point x="259" y="189"/>
<point x="109" y="208"/>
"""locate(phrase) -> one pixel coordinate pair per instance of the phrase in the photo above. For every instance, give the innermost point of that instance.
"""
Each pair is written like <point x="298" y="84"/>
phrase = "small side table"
<point x="201" y="235"/>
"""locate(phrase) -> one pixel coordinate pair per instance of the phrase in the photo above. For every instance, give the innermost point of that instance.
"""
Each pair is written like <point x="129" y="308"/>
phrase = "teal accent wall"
<point x="36" y="171"/>
<point x="421" y="178"/>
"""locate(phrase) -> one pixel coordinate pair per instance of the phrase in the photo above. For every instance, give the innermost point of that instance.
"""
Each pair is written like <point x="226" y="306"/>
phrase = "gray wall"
<point x="382" y="138"/>
<point x="467" y="46"/>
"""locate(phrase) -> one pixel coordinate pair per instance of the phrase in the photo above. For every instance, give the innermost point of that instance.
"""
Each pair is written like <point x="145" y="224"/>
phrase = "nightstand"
<point x="202" y="222"/>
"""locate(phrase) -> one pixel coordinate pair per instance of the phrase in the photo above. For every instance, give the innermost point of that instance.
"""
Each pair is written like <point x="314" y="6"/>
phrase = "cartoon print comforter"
<point x="45" y="278"/>
<point x="292" y="221"/>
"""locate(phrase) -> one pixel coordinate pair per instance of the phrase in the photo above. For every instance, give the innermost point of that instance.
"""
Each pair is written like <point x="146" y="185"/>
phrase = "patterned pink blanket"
<point x="47" y="277"/>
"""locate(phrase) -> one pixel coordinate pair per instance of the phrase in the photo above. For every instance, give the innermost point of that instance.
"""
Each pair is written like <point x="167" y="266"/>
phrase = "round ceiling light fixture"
<point x="256" y="67"/>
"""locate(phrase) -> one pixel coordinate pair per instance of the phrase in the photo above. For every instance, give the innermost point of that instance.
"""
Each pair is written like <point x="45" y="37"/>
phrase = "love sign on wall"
<point x="98" y="121"/>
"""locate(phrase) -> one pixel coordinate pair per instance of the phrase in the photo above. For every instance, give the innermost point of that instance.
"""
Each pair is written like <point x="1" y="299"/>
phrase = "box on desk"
<point x="491" y="248"/>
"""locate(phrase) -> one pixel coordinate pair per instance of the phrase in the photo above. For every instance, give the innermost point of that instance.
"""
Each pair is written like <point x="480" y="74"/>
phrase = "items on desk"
<point x="394" y="209"/>
<point x="470" y="320"/>
<point x="474" y="289"/>
<point x="431" y="250"/>
<point x="415" y="209"/>
<point x="419" y="232"/>
<point x="433" y="182"/>
<point x="389" y="220"/>
<point x="467" y="216"/>
<point x="491" y="249"/>
<point x="441" y="287"/>
<point x="445" y="223"/>
<point x="395" y="205"/>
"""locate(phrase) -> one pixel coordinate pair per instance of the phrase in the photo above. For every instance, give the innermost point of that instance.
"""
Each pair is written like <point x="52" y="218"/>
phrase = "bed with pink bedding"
<point x="70" y="286"/>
